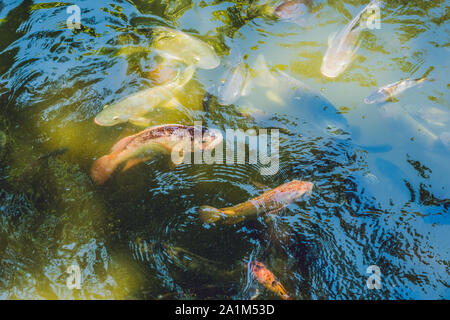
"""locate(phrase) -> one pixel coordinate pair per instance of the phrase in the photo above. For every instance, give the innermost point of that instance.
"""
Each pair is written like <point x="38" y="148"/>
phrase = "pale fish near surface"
<point x="271" y="88"/>
<point x="435" y="116"/>
<point x="174" y="44"/>
<point x="140" y="147"/>
<point x="397" y="112"/>
<point x="134" y="108"/>
<point x="342" y="47"/>
<point x="277" y="82"/>
<point x="234" y="85"/>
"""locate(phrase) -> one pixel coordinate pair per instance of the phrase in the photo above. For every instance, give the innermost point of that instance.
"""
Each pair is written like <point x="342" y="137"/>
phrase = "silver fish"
<point x="391" y="90"/>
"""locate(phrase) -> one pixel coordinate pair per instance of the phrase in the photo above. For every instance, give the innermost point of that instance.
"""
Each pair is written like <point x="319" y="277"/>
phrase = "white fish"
<point x="134" y="108"/>
<point x="343" y="46"/>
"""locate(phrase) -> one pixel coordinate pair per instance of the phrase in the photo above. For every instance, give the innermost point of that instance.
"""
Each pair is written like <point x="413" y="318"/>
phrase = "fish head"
<point x="259" y="270"/>
<point x="294" y="190"/>
<point x="202" y="53"/>
<point x="334" y="65"/>
<point x="233" y="85"/>
<point x="298" y="187"/>
<point x="290" y="9"/>
<point x="228" y="93"/>
<point x="167" y="42"/>
<point x="306" y="187"/>
<point x="262" y="274"/>
<point x="110" y="117"/>
<point x="377" y="96"/>
<point x="210" y="139"/>
<point x="207" y="59"/>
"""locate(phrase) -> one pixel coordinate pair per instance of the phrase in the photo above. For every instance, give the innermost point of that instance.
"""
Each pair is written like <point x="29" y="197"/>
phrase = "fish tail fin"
<point x="281" y="291"/>
<point x="425" y="76"/>
<point x="209" y="214"/>
<point x="375" y="3"/>
<point x="103" y="168"/>
<point x="423" y="79"/>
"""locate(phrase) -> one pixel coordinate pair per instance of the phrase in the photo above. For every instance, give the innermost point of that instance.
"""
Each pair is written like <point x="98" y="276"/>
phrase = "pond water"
<point x="381" y="186"/>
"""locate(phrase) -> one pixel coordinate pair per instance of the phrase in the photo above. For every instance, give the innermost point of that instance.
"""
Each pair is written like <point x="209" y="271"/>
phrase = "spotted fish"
<point x="139" y="148"/>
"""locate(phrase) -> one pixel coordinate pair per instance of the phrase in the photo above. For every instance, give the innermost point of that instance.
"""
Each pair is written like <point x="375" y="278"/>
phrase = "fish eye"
<point x="274" y="283"/>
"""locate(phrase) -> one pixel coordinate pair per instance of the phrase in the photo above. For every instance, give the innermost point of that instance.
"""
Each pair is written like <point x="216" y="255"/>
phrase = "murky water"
<point x="381" y="193"/>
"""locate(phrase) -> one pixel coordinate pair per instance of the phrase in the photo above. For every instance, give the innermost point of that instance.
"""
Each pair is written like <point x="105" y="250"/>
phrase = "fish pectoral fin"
<point x="172" y="103"/>
<point x="140" y="121"/>
<point x="392" y="99"/>
<point x="331" y="38"/>
<point x="133" y="162"/>
<point x="186" y="76"/>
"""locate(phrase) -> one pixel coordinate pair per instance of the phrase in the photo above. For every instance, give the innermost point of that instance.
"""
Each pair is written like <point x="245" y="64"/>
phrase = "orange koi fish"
<point x="269" y="202"/>
<point x="266" y="278"/>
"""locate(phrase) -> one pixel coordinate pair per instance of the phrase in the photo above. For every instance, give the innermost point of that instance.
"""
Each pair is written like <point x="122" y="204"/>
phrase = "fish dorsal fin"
<point x="425" y="76"/>
<point x="140" y="121"/>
